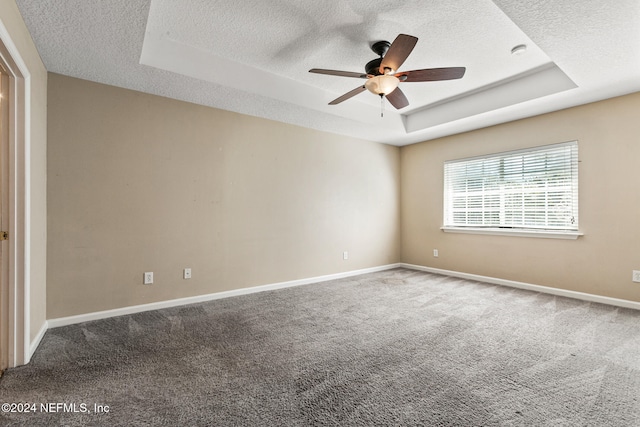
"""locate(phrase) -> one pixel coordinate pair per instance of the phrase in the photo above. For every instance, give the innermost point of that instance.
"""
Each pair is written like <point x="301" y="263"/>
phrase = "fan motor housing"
<point x="373" y="67"/>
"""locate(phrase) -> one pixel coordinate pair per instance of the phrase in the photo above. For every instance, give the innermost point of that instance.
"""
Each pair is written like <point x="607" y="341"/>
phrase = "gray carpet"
<point x="399" y="347"/>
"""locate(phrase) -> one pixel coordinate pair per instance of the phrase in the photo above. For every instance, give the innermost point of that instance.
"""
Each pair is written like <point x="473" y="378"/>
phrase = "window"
<point x="534" y="189"/>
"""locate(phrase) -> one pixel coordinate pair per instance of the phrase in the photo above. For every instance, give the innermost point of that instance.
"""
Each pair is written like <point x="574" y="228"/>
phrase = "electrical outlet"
<point x="148" y="278"/>
<point x="345" y="255"/>
<point x="636" y="276"/>
<point x="186" y="274"/>
<point x="435" y="253"/>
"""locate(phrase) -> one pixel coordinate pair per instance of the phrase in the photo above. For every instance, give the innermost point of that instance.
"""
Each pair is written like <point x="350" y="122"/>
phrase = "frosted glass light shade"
<point x="382" y="85"/>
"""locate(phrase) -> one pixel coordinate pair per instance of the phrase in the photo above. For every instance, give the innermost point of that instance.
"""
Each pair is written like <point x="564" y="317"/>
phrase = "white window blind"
<point x="535" y="188"/>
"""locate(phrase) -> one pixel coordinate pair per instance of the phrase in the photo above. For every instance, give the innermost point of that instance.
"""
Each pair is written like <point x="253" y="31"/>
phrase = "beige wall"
<point x="36" y="112"/>
<point x="599" y="263"/>
<point x="143" y="183"/>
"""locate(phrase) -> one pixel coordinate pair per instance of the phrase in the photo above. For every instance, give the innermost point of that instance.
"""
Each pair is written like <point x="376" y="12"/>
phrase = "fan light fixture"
<point x="382" y="85"/>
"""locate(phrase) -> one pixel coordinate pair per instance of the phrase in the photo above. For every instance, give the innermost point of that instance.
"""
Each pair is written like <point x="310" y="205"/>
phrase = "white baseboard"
<point x="36" y="341"/>
<point x="70" y="320"/>
<point x="528" y="286"/>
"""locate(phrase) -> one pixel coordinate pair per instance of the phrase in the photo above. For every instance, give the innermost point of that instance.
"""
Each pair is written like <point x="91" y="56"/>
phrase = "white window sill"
<point x="545" y="234"/>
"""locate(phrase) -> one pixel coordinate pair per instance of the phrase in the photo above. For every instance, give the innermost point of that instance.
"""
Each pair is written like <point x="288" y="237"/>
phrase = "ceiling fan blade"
<point x="338" y="73"/>
<point x="398" y="52"/>
<point x="398" y="99"/>
<point x="432" y="74"/>
<point x="348" y="95"/>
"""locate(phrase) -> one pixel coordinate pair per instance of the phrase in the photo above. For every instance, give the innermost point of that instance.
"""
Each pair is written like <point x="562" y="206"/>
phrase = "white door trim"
<point x="19" y="350"/>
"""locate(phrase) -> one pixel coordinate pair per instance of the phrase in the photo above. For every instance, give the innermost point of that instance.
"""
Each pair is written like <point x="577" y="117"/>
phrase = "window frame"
<point x="545" y="231"/>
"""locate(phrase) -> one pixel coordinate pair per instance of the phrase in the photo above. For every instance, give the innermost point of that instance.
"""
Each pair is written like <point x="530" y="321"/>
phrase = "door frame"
<point x="4" y="216"/>
<point x="15" y="278"/>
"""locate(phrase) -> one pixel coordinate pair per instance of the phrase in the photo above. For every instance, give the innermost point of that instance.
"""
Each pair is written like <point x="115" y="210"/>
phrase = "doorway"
<point x="14" y="289"/>
<point x="4" y="217"/>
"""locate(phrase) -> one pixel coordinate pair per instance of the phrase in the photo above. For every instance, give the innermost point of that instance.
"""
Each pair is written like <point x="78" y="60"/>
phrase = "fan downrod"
<point x="373" y="67"/>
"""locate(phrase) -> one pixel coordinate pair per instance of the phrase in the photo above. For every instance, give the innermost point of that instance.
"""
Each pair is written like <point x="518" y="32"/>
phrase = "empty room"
<point x="295" y="213"/>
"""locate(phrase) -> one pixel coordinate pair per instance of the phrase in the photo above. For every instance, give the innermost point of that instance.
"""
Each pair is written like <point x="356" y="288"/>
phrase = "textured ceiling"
<point x="253" y="57"/>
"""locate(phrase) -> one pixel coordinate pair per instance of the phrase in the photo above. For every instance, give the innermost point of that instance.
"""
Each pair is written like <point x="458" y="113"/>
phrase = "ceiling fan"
<point x="383" y="76"/>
